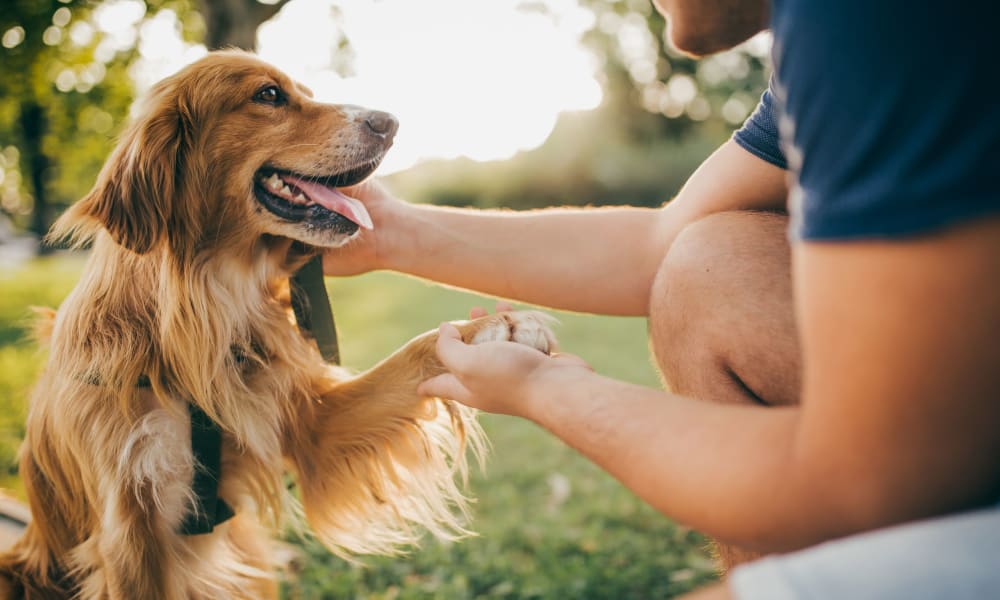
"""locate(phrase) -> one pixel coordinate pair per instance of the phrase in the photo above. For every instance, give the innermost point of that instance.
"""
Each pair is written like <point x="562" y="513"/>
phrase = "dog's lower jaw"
<point x="310" y="233"/>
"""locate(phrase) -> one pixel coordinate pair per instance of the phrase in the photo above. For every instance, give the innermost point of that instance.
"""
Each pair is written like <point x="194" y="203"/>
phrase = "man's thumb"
<point x="444" y="386"/>
<point x="451" y="350"/>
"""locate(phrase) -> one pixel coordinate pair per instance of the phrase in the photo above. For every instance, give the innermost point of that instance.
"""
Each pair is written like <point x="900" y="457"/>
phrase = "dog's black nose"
<point x="382" y="123"/>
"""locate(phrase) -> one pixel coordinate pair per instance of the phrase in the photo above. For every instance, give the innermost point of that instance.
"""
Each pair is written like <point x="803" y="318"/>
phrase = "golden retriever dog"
<point x="223" y="186"/>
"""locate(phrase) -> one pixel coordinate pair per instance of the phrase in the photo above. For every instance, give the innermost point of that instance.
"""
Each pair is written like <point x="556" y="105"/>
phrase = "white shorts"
<point x="954" y="558"/>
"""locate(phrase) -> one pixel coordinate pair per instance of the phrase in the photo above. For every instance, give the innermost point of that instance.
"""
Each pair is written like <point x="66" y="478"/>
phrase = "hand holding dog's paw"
<point x="485" y="371"/>
<point x="530" y="328"/>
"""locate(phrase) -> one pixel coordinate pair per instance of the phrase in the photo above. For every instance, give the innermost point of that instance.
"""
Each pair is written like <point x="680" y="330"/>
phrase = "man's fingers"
<point x="501" y="306"/>
<point x="571" y="359"/>
<point x="444" y="386"/>
<point x="360" y="189"/>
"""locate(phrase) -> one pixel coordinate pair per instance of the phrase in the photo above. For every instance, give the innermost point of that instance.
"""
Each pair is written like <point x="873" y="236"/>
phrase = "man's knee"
<point x="723" y="283"/>
<point x="689" y="278"/>
<point x="711" y="259"/>
<point x="717" y="249"/>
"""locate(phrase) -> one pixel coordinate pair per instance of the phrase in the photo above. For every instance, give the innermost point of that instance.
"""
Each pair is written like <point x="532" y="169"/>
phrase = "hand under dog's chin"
<point x="316" y="235"/>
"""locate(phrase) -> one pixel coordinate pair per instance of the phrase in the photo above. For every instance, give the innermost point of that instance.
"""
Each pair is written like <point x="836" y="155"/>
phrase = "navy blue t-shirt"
<point x="759" y="135"/>
<point x="888" y="112"/>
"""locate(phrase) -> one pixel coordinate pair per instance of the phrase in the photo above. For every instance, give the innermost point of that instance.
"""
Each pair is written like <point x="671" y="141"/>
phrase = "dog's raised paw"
<point x="528" y="327"/>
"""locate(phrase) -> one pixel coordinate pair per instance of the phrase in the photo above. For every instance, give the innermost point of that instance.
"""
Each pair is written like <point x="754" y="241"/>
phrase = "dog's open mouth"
<point x="314" y="199"/>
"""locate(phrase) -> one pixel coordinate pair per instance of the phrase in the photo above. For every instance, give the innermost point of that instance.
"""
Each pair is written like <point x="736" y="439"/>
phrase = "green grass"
<point x="549" y="523"/>
<point x="43" y="283"/>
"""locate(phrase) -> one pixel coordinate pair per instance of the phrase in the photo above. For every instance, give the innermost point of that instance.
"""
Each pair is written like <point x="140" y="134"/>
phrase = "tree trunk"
<point x="234" y="23"/>
<point x="33" y="127"/>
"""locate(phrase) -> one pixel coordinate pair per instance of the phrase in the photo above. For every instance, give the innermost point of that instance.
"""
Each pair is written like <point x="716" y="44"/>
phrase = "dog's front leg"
<point x="135" y="551"/>
<point x="377" y="462"/>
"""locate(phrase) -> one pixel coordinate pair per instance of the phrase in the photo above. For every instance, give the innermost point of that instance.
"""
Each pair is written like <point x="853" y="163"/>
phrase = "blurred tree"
<point x="26" y="29"/>
<point x="66" y="84"/>
<point x="234" y="23"/>
<point x="65" y="90"/>
<point x="653" y="78"/>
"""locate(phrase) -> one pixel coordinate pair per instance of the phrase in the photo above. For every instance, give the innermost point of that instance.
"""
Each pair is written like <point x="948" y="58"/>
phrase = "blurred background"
<point x="503" y="103"/>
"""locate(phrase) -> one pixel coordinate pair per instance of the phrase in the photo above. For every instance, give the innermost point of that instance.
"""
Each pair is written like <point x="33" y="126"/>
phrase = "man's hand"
<point x="365" y="252"/>
<point x="498" y="377"/>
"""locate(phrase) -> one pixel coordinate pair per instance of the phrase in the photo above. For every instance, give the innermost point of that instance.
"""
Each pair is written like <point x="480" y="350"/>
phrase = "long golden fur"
<point x="187" y="285"/>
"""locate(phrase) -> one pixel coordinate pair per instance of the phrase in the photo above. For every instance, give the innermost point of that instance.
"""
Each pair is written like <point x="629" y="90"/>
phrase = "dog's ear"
<point x="135" y="194"/>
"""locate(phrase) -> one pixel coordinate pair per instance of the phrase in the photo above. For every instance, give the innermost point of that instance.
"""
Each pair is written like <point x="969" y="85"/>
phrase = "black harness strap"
<point x="315" y="318"/>
<point x="209" y="509"/>
<point x="206" y="445"/>
<point x="312" y="309"/>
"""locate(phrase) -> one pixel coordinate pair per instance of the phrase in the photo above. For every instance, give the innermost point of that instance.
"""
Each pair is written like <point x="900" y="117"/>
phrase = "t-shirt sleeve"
<point x="892" y="130"/>
<point x="759" y="134"/>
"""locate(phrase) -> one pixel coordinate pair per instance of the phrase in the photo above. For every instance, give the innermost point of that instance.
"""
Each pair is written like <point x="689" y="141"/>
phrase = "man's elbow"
<point x="835" y="503"/>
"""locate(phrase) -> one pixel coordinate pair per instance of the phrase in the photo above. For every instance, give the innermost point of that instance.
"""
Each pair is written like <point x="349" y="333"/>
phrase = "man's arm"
<point x="599" y="260"/>
<point x="899" y="413"/>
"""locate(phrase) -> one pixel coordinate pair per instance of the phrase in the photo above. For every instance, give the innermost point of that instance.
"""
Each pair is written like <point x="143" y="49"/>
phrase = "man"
<point x="843" y="384"/>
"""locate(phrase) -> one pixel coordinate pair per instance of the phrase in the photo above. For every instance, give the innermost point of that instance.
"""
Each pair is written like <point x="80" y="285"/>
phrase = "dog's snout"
<point x="382" y="123"/>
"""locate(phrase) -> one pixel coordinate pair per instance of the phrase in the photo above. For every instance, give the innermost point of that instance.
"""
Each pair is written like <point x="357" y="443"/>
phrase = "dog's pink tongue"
<point x="333" y="199"/>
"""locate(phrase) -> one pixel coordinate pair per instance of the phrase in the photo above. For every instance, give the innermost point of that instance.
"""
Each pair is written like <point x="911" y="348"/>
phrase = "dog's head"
<point x="231" y="149"/>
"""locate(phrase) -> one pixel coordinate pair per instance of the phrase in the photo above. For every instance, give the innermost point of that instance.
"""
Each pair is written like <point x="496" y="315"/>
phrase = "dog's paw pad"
<point x="530" y="328"/>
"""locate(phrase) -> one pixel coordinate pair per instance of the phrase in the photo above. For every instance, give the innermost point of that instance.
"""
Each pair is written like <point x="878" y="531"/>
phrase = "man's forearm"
<point x="592" y="260"/>
<point x="728" y="470"/>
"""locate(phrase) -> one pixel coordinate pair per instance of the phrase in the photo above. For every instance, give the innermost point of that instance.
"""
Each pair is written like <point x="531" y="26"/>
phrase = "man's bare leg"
<point x="722" y="324"/>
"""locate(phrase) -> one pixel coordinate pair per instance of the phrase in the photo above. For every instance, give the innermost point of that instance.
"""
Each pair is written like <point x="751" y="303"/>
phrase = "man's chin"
<point x="702" y="43"/>
<point x="702" y="27"/>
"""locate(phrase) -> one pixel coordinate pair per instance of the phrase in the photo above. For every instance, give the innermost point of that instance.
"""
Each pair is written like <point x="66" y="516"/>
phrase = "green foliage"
<point x="643" y="71"/>
<point x="44" y="283"/>
<point x="65" y="92"/>
<point x="549" y="523"/>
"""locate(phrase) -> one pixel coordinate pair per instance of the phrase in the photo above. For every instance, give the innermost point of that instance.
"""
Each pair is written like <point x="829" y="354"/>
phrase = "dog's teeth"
<point x="285" y="190"/>
<point x="274" y="182"/>
<point x="301" y="198"/>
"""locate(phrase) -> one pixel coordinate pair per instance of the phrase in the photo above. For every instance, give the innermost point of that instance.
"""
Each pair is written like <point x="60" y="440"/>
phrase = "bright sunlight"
<point x="482" y="79"/>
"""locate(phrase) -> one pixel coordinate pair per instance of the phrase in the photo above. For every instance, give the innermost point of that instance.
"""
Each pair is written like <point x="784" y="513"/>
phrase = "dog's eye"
<point x="270" y="94"/>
